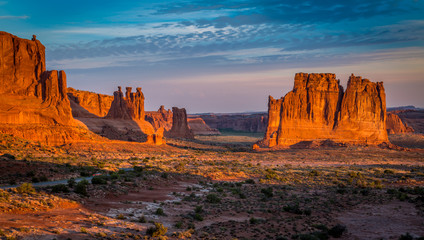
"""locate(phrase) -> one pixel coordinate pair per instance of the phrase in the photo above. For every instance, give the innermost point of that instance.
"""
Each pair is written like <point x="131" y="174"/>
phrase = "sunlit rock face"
<point x="199" y="127"/>
<point x="34" y="104"/>
<point x="395" y="125"/>
<point x="180" y="128"/>
<point x="161" y="118"/>
<point x="319" y="109"/>
<point x="94" y="103"/>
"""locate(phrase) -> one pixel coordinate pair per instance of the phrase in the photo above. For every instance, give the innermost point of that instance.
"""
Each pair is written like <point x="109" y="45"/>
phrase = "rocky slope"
<point x="199" y="127"/>
<point x="34" y="104"/>
<point x="95" y="103"/>
<point x="414" y="118"/>
<point x="319" y="109"/>
<point x="395" y="125"/>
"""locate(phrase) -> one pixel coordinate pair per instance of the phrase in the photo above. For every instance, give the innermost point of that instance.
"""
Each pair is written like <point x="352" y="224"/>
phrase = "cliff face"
<point x="95" y="103"/>
<point x="318" y="109"/>
<point x="199" y="127"/>
<point x="180" y="127"/>
<point x="249" y="122"/>
<point x="30" y="94"/>
<point x="395" y="125"/>
<point x="130" y="107"/>
<point x="160" y="119"/>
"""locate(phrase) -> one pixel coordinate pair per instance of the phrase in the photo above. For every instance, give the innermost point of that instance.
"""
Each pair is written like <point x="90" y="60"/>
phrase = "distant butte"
<point x="319" y="109"/>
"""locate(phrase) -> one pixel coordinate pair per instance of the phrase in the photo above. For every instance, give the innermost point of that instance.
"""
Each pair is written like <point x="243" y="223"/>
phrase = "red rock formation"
<point x="180" y="127"/>
<point x="199" y="127"/>
<point x="318" y="109"/>
<point x="160" y="119"/>
<point x="31" y="97"/>
<point x="129" y="110"/>
<point x="395" y="125"/>
<point x="414" y="118"/>
<point x="95" y="103"/>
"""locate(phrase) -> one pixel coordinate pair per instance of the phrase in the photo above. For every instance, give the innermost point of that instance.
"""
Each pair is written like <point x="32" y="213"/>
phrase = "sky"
<point x="225" y="56"/>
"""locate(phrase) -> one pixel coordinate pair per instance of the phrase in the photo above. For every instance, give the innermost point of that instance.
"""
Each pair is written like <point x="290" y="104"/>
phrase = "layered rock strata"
<point x="180" y="128"/>
<point x="94" y="103"/>
<point x="395" y="125"/>
<point x="199" y="127"/>
<point x="319" y="109"/>
<point x="162" y="118"/>
<point x="31" y="97"/>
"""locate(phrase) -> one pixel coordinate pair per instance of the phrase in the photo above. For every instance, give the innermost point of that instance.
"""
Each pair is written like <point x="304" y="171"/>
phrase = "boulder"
<point x="318" y="109"/>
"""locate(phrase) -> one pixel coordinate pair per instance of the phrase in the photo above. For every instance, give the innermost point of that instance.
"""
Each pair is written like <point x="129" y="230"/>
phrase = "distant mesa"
<point x="199" y="127"/>
<point x="318" y="109"/>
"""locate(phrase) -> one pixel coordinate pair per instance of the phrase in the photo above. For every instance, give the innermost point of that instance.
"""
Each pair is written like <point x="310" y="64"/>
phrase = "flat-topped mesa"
<point x="180" y="127"/>
<point x="318" y="109"/>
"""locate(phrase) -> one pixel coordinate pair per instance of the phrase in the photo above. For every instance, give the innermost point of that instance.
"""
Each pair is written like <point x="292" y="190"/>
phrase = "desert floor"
<point x="214" y="187"/>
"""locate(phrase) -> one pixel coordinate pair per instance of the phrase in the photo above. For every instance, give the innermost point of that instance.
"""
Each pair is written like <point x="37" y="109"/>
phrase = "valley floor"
<point x="210" y="188"/>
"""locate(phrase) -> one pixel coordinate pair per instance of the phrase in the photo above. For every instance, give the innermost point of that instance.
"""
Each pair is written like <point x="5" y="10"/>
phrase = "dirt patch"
<point x="388" y="221"/>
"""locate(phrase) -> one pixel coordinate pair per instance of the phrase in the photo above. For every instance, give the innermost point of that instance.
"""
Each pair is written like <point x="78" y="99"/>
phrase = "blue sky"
<point x="225" y="56"/>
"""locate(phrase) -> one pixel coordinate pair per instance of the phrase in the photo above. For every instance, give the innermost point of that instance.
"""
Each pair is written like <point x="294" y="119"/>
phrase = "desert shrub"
<point x="337" y="231"/>
<point x="43" y="179"/>
<point x="121" y="217"/>
<point x="9" y="156"/>
<point x="138" y="169"/>
<point x="213" y="198"/>
<point x="314" y="173"/>
<point x="253" y="220"/>
<point x="157" y="231"/>
<point x="198" y="209"/>
<point x="179" y="225"/>
<point x="250" y="181"/>
<point x="198" y="217"/>
<point x="4" y="196"/>
<point x="142" y="219"/>
<point x="83" y="230"/>
<point x="35" y="179"/>
<point x="160" y="212"/>
<point x="71" y="182"/>
<point x="389" y="171"/>
<point x="164" y="175"/>
<point x="60" y="188"/>
<point x="81" y="187"/>
<point x="268" y="192"/>
<point x="25" y="188"/>
<point x="99" y="180"/>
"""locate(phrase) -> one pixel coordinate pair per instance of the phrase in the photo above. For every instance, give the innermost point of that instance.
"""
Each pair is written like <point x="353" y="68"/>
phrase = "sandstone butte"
<point x="319" y="109"/>
<point x="395" y="125"/>
<point x="34" y="104"/>
<point x="199" y="127"/>
<point x="180" y="128"/>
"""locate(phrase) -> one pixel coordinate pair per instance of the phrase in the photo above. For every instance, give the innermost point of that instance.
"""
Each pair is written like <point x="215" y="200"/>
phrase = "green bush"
<point x="81" y="187"/>
<point x="25" y="188"/>
<point x="213" y="198"/>
<point x="157" y="231"/>
<point x="337" y="231"/>
<point x="159" y="212"/>
<point x="60" y="188"/>
<point x="268" y="192"/>
<point x="99" y="180"/>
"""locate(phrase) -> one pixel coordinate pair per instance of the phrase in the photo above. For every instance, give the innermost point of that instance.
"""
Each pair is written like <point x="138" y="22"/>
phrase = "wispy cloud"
<point x="13" y="17"/>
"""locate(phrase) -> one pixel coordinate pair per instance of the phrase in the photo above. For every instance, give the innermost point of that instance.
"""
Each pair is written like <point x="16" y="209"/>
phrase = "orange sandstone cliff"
<point x="319" y="109"/>
<point x="199" y="127"/>
<point x="395" y="125"/>
<point x="95" y="103"/>
<point x="160" y="119"/>
<point x="180" y="128"/>
<point x="34" y="104"/>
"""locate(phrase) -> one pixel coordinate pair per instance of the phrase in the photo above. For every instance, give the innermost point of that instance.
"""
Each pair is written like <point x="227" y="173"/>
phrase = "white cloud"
<point x="13" y="17"/>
